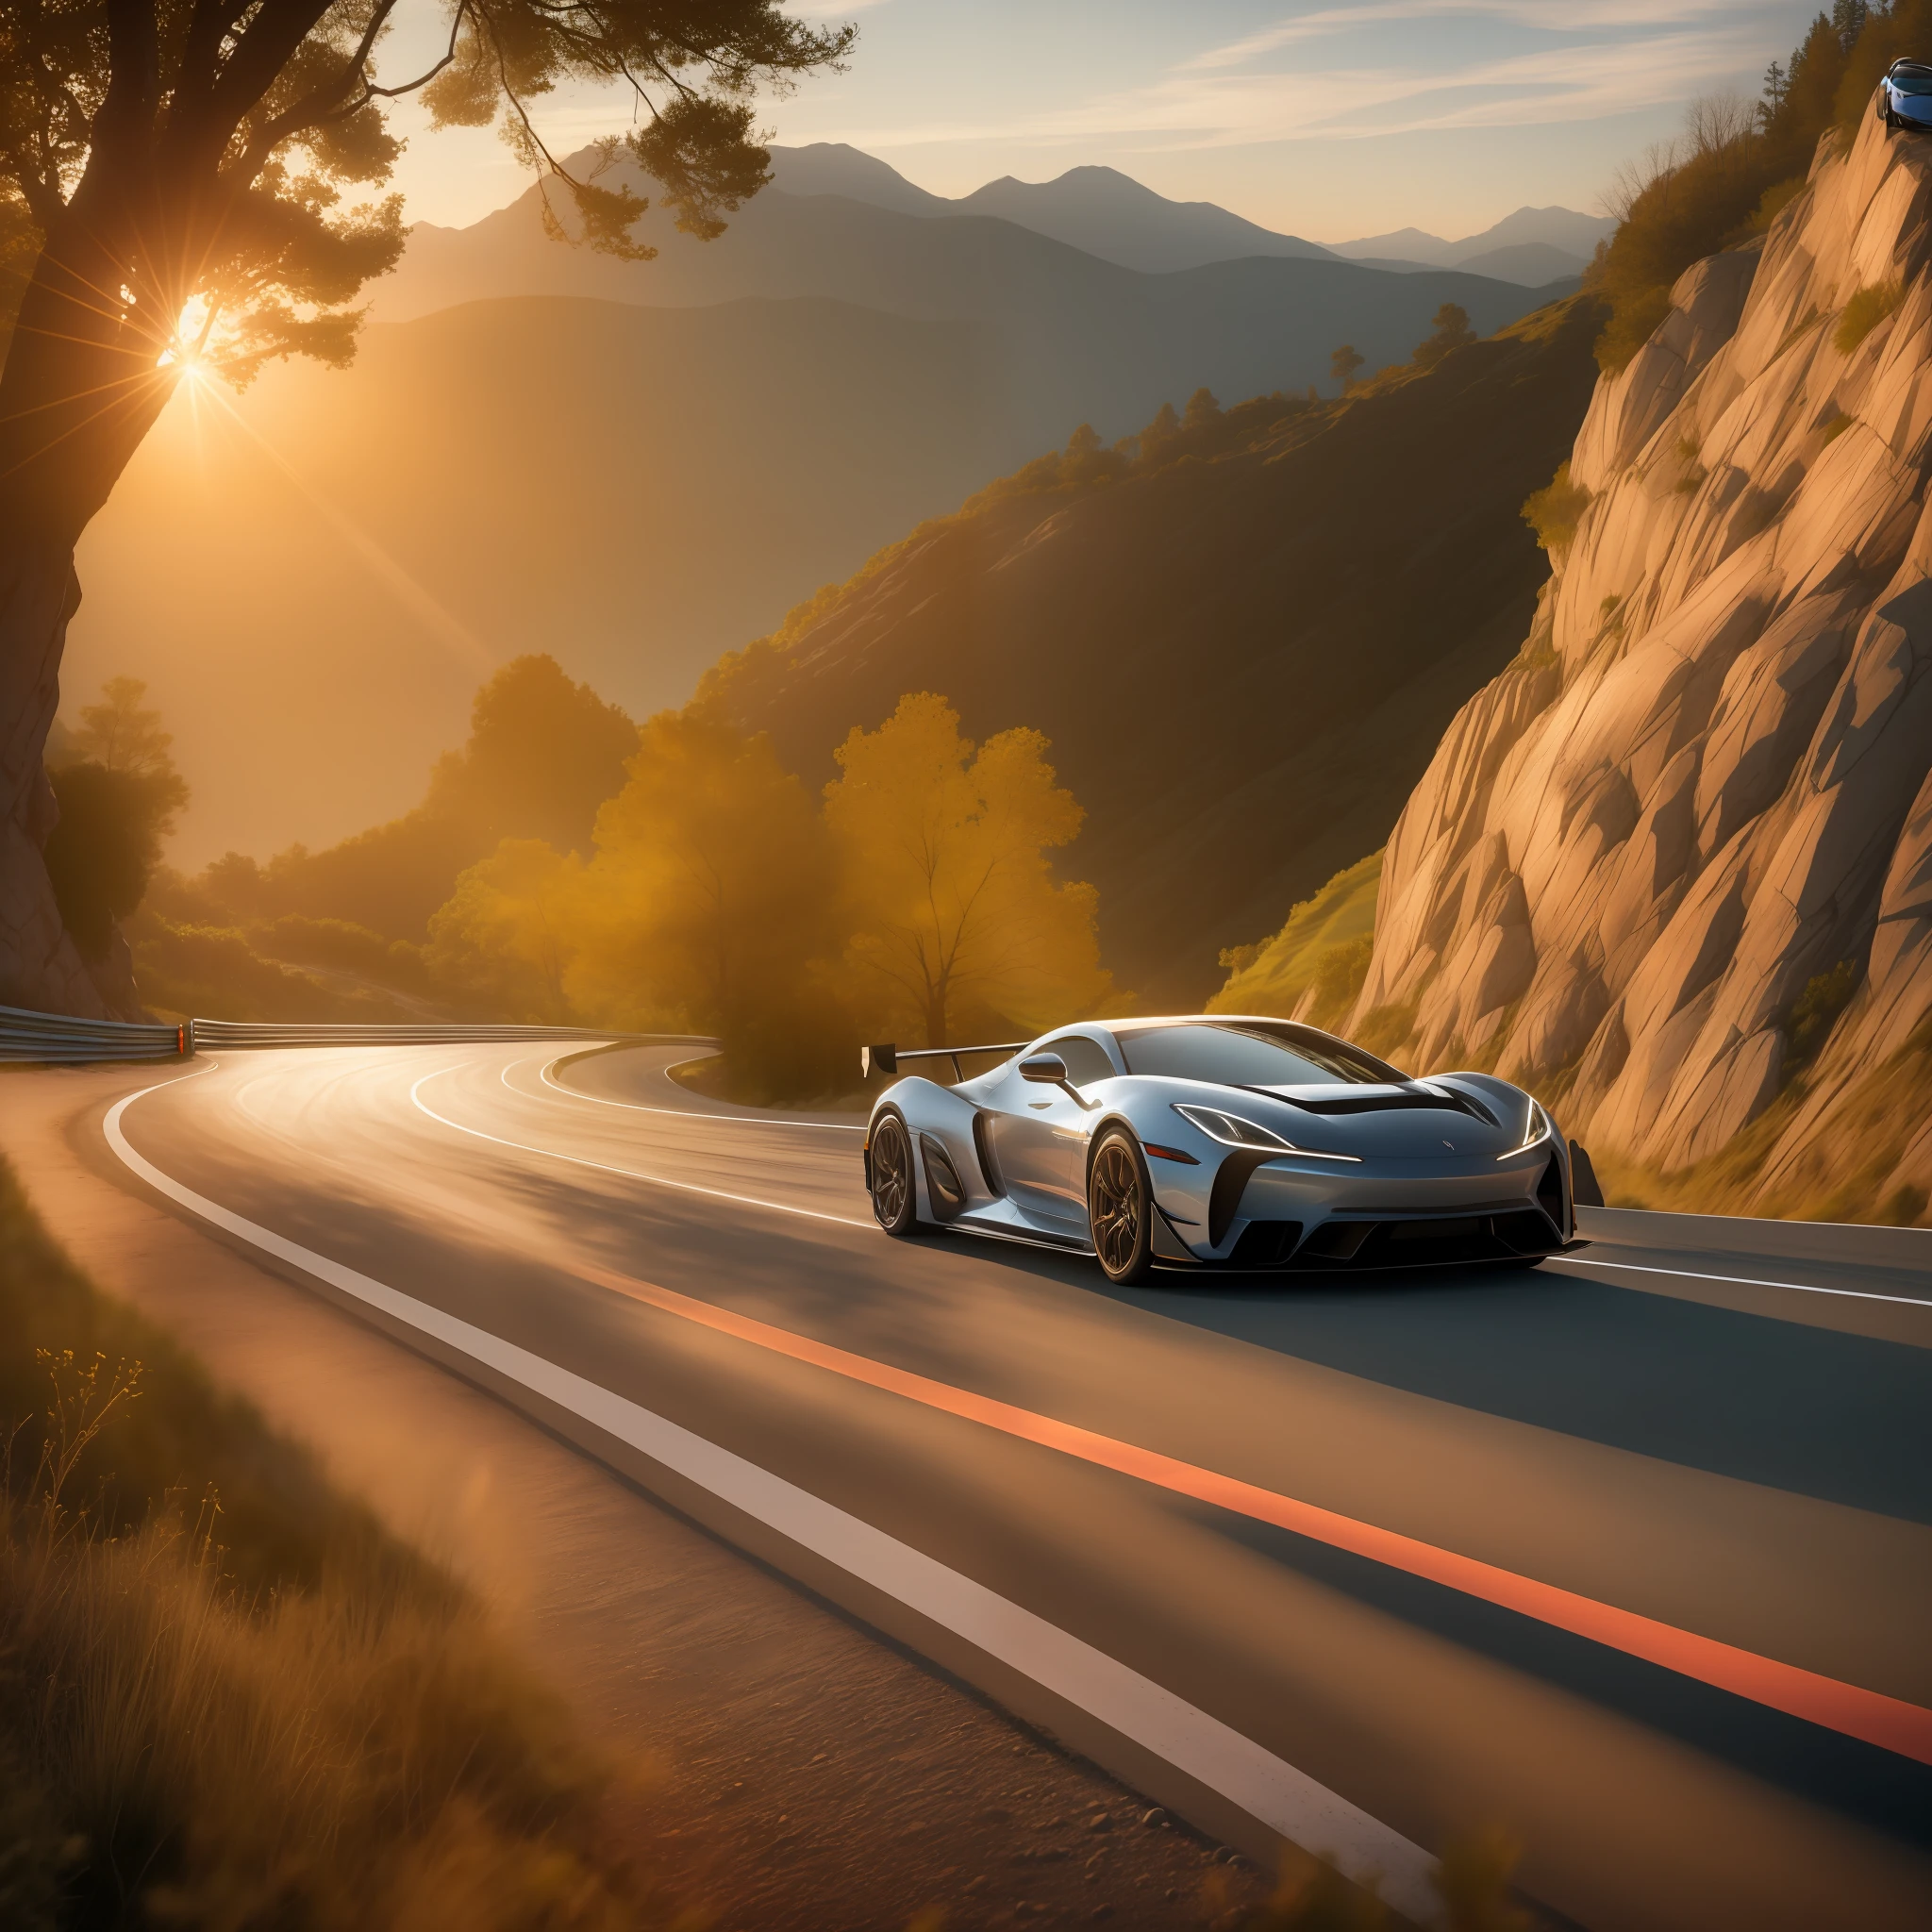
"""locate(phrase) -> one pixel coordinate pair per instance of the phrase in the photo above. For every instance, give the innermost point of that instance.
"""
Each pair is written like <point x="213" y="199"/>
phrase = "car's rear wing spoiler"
<point x="885" y="1058"/>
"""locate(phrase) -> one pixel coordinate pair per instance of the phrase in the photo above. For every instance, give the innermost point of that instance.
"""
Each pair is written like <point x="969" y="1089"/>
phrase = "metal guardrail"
<point x="60" y="1039"/>
<point x="429" y="1033"/>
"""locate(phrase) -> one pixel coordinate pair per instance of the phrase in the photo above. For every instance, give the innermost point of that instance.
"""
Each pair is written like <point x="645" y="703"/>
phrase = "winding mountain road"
<point x="1631" y="1554"/>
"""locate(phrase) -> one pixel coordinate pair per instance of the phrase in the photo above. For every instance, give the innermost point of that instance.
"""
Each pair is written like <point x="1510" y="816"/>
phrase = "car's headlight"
<point x="1534" y="1129"/>
<point x="1231" y="1130"/>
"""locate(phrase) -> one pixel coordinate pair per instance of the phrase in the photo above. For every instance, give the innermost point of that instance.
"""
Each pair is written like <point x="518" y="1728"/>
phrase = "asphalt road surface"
<point x="1630" y="1554"/>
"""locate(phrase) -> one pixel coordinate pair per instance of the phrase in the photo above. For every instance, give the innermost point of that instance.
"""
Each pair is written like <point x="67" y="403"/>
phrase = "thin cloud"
<point x="1577" y="16"/>
<point x="1203" y="105"/>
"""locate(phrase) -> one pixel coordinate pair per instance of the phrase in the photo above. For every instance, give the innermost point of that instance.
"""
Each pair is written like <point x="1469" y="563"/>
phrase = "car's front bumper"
<point x="1301" y="1214"/>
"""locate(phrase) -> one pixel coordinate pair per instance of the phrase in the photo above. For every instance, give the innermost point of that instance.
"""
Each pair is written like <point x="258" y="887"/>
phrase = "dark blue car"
<point x="1905" y="95"/>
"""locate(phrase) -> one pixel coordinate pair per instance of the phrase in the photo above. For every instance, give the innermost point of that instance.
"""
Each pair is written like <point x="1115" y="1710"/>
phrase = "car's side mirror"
<point x="1048" y="1068"/>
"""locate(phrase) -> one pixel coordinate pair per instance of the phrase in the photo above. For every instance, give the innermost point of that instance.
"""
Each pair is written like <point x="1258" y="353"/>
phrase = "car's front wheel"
<point x="1120" y="1209"/>
<point x="894" y="1190"/>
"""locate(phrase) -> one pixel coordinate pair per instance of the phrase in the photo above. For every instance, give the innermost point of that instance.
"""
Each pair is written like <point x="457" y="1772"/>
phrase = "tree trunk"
<point x="40" y="966"/>
<point x="79" y="388"/>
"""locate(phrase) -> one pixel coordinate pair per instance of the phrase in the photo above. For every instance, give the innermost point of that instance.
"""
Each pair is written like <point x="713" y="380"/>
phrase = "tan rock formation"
<point x="1703" y="788"/>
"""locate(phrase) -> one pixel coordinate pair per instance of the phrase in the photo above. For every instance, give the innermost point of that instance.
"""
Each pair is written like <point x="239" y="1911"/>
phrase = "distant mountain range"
<point x="1070" y="336"/>
<point x="834" y="218"/>
<point x="1533" y="245"/>
<point x="1099" y="210"/>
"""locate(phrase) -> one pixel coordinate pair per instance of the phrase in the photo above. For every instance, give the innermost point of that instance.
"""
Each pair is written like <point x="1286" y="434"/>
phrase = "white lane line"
<point x="683" y="1113"/>
<point x="1862" y="1294"/>
<point x="657" y="1180"/>
<point x="1267" y="1788"/>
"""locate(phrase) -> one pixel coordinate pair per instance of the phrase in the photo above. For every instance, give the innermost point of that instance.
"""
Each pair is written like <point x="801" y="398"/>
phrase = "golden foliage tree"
<point x="713" y="900"/>
<point x="505" y="940"/>
<point x="953" y="904"/>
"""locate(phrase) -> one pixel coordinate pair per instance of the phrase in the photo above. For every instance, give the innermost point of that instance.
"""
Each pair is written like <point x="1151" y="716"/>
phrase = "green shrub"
<point x="343" y="943"/>
<point x="1815" y="1012"/>
<point x="1554" y="510"/>
<point x="1867" y="309"/>
<point x="1773" y="203"/>
<point x="1634" y="320"/>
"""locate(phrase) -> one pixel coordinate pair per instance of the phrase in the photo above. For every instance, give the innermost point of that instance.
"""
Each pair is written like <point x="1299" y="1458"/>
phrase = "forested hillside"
<point x="1244" y="634"/>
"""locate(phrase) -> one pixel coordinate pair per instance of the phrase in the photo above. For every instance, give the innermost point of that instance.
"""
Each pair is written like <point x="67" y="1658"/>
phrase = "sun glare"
<point x="187" y="351"/>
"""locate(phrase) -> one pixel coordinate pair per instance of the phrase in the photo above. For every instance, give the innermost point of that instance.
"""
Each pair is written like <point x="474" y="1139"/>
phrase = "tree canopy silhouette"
<point x="118" y="792"/>
<point x="1343" y="363"/>
<point x="1452" y="331"/>
<point x="196" y="183"/>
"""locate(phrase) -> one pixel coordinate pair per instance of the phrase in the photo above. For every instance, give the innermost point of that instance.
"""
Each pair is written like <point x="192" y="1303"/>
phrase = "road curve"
<point x="1632" y="1554"/>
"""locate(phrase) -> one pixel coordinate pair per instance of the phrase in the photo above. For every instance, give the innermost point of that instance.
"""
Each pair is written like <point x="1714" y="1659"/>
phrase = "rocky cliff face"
<point x="1673" y="866"/>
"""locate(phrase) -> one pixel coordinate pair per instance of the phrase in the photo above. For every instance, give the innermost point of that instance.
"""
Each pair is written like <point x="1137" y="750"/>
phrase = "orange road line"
<point x="1889" y="1723"/>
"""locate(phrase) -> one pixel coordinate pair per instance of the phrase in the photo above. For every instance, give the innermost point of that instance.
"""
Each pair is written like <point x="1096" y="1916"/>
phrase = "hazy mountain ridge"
<point x="1109" y="214"/>
<point x="1242" y="658"/>
<point x="1087" y="339"/>
<point x="1098" y="210"/>
<point x="1673" y="865"/>
<point x="1569" y="235"/>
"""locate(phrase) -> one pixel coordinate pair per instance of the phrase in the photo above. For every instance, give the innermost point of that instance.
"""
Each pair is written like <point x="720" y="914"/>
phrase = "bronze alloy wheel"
<point x="894" y="1195"/>
<point x="1120" y="1209"/>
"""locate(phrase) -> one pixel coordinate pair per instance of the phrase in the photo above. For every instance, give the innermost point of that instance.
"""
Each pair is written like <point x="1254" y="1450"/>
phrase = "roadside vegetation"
<point x="1852" y="1167"/>
<point x="569" y="868"/>
<point x="1739" y="164"/>
<point x="227" y="1697"/>
<point x="1314" y="967"/>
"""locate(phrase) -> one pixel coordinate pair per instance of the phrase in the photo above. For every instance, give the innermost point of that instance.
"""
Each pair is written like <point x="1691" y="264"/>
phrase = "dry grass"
<point x="1847" y="1173"/>
<point x="204" y="1727"/>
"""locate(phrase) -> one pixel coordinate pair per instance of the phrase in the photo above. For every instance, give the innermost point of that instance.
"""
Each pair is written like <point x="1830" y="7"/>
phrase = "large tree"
<point x="190" y="184"/>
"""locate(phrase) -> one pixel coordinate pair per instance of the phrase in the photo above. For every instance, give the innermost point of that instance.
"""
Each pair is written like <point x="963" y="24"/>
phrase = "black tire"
<point x="1120" y="1209"/>
<point x="894" y="1185"/>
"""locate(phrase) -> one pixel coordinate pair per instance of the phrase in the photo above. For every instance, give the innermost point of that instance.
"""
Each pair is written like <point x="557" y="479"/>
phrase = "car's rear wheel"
<point x="1120" y="1209"/>
<point x="894" y="1189"/>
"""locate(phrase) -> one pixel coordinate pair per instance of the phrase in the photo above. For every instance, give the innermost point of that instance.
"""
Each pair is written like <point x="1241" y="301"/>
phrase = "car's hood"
<point x="1414" y="1121"/>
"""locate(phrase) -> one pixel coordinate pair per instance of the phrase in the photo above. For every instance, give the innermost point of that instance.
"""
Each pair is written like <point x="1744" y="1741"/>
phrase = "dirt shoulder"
<point x="810" y="1776"/>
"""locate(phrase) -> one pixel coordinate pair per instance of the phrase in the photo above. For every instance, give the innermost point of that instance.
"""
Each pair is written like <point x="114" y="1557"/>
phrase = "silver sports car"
<point x="1213" y="1141"/>
<point x="1905" y="95"/>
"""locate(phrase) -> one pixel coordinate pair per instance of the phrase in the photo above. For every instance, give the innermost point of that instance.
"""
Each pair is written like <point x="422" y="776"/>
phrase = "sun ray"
<point x="429" y="612"/>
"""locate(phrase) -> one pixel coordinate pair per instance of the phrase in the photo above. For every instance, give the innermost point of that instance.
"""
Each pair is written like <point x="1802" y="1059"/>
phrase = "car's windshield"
<point x="1236" y="1057"/>
<point x="1912" y="83"/>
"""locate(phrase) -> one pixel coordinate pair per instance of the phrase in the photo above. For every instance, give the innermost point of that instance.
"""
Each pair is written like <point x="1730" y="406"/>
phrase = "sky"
<point x="1325" y="120"/>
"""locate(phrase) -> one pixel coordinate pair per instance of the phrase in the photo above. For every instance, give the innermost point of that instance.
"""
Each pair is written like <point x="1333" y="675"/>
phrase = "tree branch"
<point x="324" y="102"/>
<point x="262" y="49"/>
